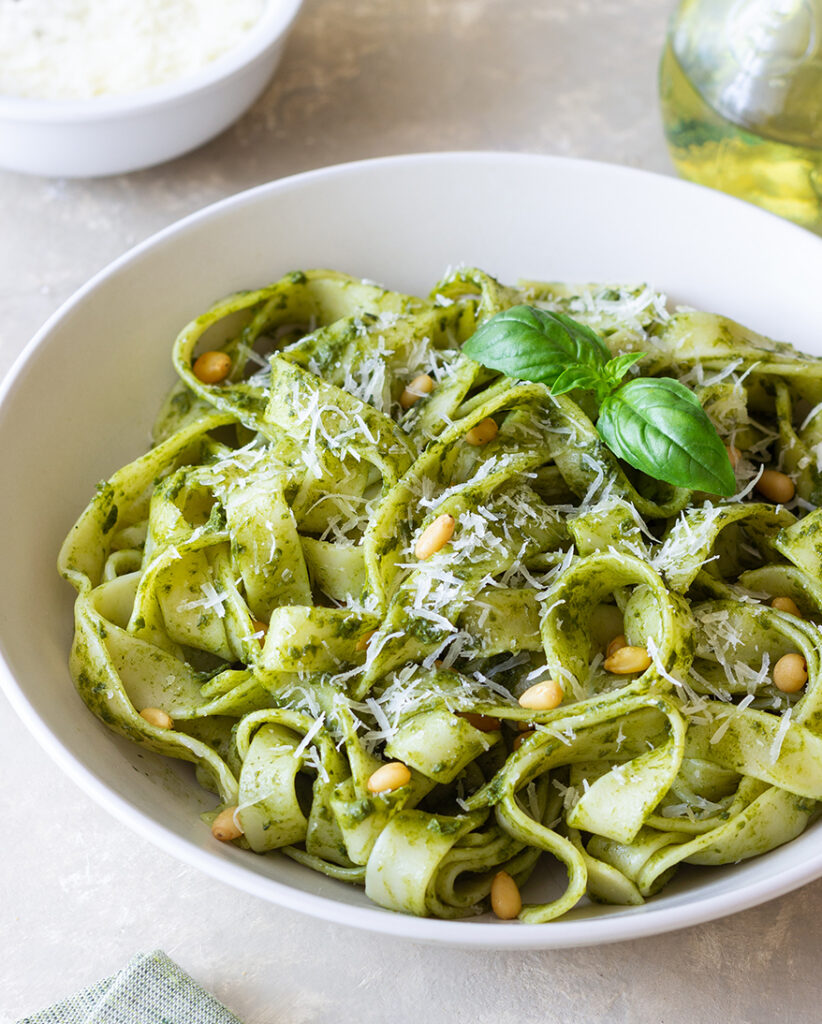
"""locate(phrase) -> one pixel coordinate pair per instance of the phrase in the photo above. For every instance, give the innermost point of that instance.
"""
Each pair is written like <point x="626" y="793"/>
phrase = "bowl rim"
<point x="274" y="22"/>
<point x="465" y="933"/>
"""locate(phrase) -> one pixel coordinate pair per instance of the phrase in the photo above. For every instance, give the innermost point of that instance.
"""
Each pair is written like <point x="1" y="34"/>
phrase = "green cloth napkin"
<point x="150" y="989"/>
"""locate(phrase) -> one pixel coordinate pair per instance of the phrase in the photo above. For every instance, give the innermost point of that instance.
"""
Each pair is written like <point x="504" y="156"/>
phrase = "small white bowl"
<point x="80" y="401"/>
<point x="116" y="134"/>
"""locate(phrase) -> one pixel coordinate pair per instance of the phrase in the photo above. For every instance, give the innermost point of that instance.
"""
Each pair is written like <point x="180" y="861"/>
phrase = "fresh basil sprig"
<point x="654" y="423"/>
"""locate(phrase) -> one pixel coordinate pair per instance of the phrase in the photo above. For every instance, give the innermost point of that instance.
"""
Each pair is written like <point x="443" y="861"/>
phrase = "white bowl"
<point x="80" y="401"/>
<point x="115" y="134"/>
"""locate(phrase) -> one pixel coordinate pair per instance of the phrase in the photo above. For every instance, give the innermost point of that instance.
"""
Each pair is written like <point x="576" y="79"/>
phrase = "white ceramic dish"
<point x="80" y="401"/>
<point x="115" y="134"/>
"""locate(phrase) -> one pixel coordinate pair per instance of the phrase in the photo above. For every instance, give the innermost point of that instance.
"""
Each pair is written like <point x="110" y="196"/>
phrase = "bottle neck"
<point x="756" y="62"/>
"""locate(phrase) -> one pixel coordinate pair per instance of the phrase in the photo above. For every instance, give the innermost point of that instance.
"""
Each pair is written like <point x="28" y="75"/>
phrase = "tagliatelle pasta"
<point x="340" y="566"/>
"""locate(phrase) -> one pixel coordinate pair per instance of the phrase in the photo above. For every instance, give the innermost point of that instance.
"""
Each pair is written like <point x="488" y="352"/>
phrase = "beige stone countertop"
<point x="79" y="892"/>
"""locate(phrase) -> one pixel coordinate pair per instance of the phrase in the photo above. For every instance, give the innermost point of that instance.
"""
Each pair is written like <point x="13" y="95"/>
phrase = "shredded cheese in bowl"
<point x="78" y="49"/>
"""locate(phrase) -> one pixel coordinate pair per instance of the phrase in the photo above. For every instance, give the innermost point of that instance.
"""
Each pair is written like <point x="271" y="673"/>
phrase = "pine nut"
<point x="486" y="430"/>
<point x="790" y="673"/>
<point x="787" y="604"/>
<point x="775" y="486"/>
<point x="225" y="826"/>
<point x="435" y="536"/>
<point x="389" y="777"/>
<point x="212" y="367"/>
<point x="506" y="901"/>
<point x="521" y="737"/>
<point x="485" y="723"/>
<point x="417" y="389"/>
<point x="615" y="645"/>
<point x="365" y="640"/>
<point x="627" y="660"/>
<point x="157" y="717"/>
<point x="734" y="454"/>
<point x="542" y="696"/>
<point x="259" y="627"/>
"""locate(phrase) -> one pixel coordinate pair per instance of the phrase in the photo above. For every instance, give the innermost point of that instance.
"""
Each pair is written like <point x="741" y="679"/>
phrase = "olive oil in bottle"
<point x="741" y="96"/>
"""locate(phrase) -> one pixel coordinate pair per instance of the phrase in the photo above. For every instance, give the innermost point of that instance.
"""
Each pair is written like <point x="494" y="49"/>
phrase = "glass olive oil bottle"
<point x="741" y="96"/>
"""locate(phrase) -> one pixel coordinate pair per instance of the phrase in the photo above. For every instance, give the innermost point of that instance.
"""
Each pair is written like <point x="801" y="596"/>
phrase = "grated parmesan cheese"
<point x="779" y="738"/>
<point x="211" y="599"/>
<point x="733" y="711"/>
<point x="77" y="49"/>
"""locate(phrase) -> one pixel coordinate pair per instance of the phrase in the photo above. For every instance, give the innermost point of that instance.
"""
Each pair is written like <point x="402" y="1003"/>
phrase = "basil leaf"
<point x="533" y="344"/>
<point x="576" y="377"/>
<point x="658" y="426"/>
<point x="615" y="369"/>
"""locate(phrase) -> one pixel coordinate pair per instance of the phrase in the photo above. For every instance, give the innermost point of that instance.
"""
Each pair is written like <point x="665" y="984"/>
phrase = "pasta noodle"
<point x="254" y="577"/>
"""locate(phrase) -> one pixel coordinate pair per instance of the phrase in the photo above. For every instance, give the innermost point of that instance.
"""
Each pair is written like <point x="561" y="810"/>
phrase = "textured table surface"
<point x="79" y="893"/>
